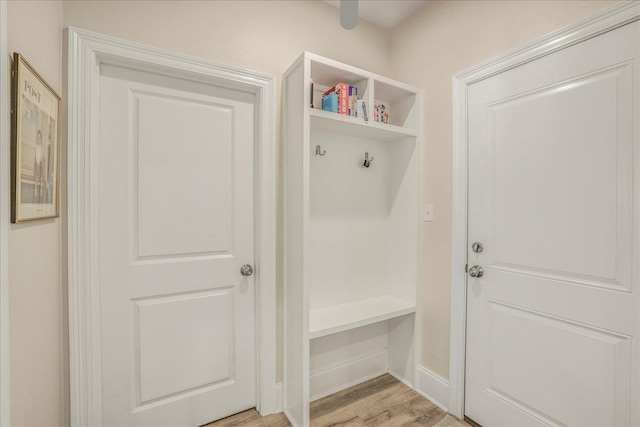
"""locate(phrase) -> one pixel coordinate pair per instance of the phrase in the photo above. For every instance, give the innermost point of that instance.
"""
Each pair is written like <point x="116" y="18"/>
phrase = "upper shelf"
<point x="329" y="72"/>
<point x="352" y="126"/>
<point x="399" y="101"/>
<point x="343" y="317"/>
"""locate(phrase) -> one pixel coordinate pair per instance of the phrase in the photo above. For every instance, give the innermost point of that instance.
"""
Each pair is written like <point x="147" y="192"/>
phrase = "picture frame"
<point x="35" y="145"/>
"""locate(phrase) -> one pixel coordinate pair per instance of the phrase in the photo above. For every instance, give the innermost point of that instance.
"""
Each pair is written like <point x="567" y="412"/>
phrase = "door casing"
<point x="87" y="51"/>
<point x="607" y="20"/>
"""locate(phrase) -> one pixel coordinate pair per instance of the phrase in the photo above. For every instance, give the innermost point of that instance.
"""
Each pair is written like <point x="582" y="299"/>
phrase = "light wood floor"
<point x="382" y="401"/>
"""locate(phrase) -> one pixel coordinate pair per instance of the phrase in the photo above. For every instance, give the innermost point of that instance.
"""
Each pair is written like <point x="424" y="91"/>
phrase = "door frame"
<point x="4" y="220"/>
<point x="621" y="14"/>
<point x="86" y="51"/>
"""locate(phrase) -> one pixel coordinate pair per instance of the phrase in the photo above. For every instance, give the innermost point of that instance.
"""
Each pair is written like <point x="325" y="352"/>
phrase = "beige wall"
<point x="265" y="36"/>
<point x="37" y="297"/>
<point x="438" y="41"/>
<point x="443" y="38"/>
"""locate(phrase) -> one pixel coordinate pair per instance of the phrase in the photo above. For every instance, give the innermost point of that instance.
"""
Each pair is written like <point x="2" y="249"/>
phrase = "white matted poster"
<point x="35" y="135"/>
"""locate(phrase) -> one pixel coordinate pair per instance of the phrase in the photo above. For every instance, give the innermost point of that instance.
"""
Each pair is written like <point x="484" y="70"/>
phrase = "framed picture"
<point x="35" y="145"/>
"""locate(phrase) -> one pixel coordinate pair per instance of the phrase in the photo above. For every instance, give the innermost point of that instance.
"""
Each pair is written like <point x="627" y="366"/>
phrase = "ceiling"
<point x="385" y="13"/>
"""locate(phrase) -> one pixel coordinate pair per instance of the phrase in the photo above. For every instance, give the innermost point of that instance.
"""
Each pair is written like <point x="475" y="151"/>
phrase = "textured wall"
<point x="38" y="328"/>
<point x="440" y="40"/>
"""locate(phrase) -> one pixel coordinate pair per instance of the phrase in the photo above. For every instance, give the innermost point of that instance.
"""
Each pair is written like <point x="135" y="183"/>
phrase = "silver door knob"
<point x="476" y="271"/>
<point x="246" y="270"/>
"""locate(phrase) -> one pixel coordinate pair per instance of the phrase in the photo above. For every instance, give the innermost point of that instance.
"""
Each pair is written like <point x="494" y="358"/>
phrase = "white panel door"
<point x="176" y="224"/>
<point x="554" y="191"/>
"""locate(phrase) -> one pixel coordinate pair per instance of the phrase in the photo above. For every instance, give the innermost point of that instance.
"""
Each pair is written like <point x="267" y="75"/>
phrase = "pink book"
<point x="342" y="90"/>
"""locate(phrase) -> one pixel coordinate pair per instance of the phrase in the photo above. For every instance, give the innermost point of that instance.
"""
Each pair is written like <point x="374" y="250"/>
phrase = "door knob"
<point x="476" y="271"/>
<point x="477" y="247"/>
<point x="246" y="270"/>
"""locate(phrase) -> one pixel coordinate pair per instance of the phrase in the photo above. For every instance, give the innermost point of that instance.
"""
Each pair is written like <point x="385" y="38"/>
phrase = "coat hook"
<point x="367" y="160"/>
<point x="319" y="152"/>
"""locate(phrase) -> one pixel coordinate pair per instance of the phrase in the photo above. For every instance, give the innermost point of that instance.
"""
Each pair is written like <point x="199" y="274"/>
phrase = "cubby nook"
<point x="351" y="233"/>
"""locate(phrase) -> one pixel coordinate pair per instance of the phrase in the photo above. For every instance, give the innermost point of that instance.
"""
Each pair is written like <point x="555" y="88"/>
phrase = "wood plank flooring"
<point x="382" y="401"/>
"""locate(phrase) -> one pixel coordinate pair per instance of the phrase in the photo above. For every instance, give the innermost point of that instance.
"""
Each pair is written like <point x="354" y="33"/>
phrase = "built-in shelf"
<point x="339" y="318"/>
<point x="352" y="259"/>
<point x="355" y="126"/>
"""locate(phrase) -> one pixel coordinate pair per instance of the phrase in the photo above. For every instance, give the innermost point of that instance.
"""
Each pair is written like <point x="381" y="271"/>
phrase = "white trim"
<point x="4" y="220"/>
<point x="433" y="387"/>
<point x="607" y="20"/>
<point x="430" y="385"/>
<point x="347" y="373"/>
<point x="86" y="51"/>
<point x="279" y="397"/>
<point x="291" y="418"/>
<point x="404" y="381"/>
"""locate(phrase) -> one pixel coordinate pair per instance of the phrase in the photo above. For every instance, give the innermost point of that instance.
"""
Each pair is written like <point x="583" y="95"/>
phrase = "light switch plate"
<point x="428" y="212"/>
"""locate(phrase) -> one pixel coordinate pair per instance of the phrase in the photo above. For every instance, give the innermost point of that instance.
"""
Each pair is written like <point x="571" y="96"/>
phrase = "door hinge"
<point x="466" y="268"/>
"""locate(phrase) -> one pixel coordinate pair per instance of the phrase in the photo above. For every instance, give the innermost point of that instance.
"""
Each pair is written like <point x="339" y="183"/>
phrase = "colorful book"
<point x="353" y="101"/>
<point x="381" y="112"/>
<point x="362" y="110"/>
<point x="330" y="103"/>
<point x="342" y="91"/>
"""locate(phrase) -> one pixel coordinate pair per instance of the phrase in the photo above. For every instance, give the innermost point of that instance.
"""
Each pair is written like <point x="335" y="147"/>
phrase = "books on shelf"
<point x="352" y="100"/>
<point x="362" y="110"/>
<point x="346" y="97"/>
<point x="311" y="94"/>
<point x="330" y="103"/>
<point x="341" y="90"/>
<point x="381" y="112"/>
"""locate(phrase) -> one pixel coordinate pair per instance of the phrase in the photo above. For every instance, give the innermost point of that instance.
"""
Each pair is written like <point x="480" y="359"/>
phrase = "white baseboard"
<point x="402" y="380"/>
<point x="430" y="385"/>
<point x="279" y="397"/>
<point x="328" y="381"/>
<point x="433" y="387"/>
<point x="291" y="419"/>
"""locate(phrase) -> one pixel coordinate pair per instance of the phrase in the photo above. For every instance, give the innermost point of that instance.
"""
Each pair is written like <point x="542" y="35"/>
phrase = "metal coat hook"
<point x="367" y="160"/>
<point x="319" y="152"/>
